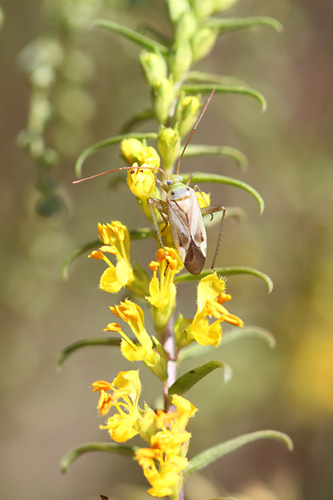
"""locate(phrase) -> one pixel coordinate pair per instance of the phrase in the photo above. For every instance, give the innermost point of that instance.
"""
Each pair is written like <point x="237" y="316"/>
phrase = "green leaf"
<point x="246" y="332"/>
<point x="141" y="233"/>
<point x="75" y="254"/>
<point x="223" y="179"/>
<point x="227" y="271"/>
<point x="196" y="350"/>
<point x="230" y="89"/>
<point x="130" y="34"/>
<point x="210" y="455"/>
<point x="114" y="342"/>
<point x="198" y="150"/>
<point x="189" y="379"/>
<point x="199" y="76"/>
<point x="109" y="142"/>
<point x="140" y="117"/>
<point x="119" y="449"/>
<point x="225" y="25"/>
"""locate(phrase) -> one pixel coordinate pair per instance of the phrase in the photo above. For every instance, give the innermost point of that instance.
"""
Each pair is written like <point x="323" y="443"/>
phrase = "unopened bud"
<point x="222" y="5"/>
<point x="186" y="113"/>
<point x="203" y="9"/>
<point x="130" y="149"/>
<point x="177" y="8"/>
<point x="203" y="42"/>
<point x="163" y="95"/>
<point x="141" y="181"/>
<point x="154" y="66"/>
<point x="180" y="59"/>
<point x="168" y="143"/>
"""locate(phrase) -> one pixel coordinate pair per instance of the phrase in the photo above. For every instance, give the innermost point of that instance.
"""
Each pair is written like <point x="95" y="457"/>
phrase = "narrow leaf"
<point x="246" y="332"/>
<point x="222" y="179"/>
<point x="227" y="271"/>
<point x="210" y="455"/>
<point x="200" y="76"/>
<point x="230" y="89"/>
<point x="115" y="342"/>
<point x="68" y="459"/>
<point x="189" y="379"/>
<point x="225" y="25"/>
<point x="75" y="254"/>
<point x="140" y="117"/>
<point x="109" y="142"/>
<point x="130" y="34"/>
<point x="202" y="150"/>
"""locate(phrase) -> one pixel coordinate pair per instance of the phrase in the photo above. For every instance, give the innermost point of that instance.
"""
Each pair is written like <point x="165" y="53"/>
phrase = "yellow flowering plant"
<point x="176" y="93"/>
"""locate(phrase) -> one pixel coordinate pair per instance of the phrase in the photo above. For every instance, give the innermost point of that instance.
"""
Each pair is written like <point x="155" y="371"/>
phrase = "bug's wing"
<point x="188" y="231"/>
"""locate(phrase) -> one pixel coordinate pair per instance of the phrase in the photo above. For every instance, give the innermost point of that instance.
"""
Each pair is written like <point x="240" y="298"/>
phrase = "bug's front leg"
<point x="162" y="207"/>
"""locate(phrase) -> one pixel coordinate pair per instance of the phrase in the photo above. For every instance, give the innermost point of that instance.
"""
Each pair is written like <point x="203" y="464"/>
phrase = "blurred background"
<point x="94" y="89"/>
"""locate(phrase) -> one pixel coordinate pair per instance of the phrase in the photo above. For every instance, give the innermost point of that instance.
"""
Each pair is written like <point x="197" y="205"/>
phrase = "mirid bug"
<point x="182" y="212"/>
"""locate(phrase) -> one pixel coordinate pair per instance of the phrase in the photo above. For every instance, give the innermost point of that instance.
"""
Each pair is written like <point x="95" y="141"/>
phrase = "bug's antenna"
<point x="110" y="172"/>
<point x="193" y="130"/>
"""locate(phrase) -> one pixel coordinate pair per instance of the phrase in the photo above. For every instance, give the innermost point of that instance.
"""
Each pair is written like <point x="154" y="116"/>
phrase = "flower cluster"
<point x="165" y="431"/>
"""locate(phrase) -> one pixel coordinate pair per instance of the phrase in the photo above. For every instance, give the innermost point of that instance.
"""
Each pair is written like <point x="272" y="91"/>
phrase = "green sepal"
<point x="230" y="181"/>
<point x="119" y="449"/>
<point x="226" y="271"/>
<point x="202" y="150"/>
<point x="230" y="89"/>
<point x="108" y="142"/>
<point x="136" y="234"/>
<point x="195" y="350"/>
<point x="113" y="342"/>
<point x="130" y="34"/>
<point x="225" y="25"/>
<point x="214" y="453"/>
<point x="189" y="379"/>
<point x="181" y="325"/>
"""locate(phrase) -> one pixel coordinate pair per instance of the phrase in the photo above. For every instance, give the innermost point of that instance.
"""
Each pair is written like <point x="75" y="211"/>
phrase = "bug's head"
<point x="174" y="179"/>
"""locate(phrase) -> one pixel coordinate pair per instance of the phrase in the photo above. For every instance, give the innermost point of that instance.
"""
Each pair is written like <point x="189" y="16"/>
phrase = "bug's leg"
<point x="211" y="210"/>
<point x="162" y="208"/>
<point x="189" y="180"/>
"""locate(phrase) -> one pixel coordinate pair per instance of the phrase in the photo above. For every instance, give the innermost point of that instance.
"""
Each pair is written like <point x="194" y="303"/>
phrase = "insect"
<point x="182" y="212"/>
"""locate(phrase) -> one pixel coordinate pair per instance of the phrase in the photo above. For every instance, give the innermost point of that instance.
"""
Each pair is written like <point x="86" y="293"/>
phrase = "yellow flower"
<point x="133" y="315"/>
<point x="203" y="199"/>
<point x="141" y="181"/>
<point x="165" y="460"/>
<point x="210" y="298"/>
<point x="123" y="394"/>
<point x="129" y="149"/>
<point x="162" y="290"/>
<point x="115" y="237"/>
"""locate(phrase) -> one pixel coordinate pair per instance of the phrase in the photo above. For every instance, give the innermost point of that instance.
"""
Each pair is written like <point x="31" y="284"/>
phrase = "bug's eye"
<point x="169" y="182"/>
<point x="180" y="178"/>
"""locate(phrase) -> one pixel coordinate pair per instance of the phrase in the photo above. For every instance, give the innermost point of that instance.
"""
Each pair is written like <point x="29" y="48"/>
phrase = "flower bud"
<point x="148" y="155"/>
<point x="186" y="113"/>
<point x="186" y="27"/>
<point x="163" y="95"/>
<point x="203" y="42"/>
<point x="154" y="66"/>
<point x="177" y="8"/>
<point x="141" y="181"/>
<point x="168" y="142"/>
<point x="222" y="5"/>
<point x="180" y="59"/>
<point x="203" y="9"/>
<point x="130" y="149"/>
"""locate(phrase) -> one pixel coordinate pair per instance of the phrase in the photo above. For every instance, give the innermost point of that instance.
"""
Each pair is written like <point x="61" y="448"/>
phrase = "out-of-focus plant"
<point x="57" y="71"/>
<point x="176" y="95"/>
